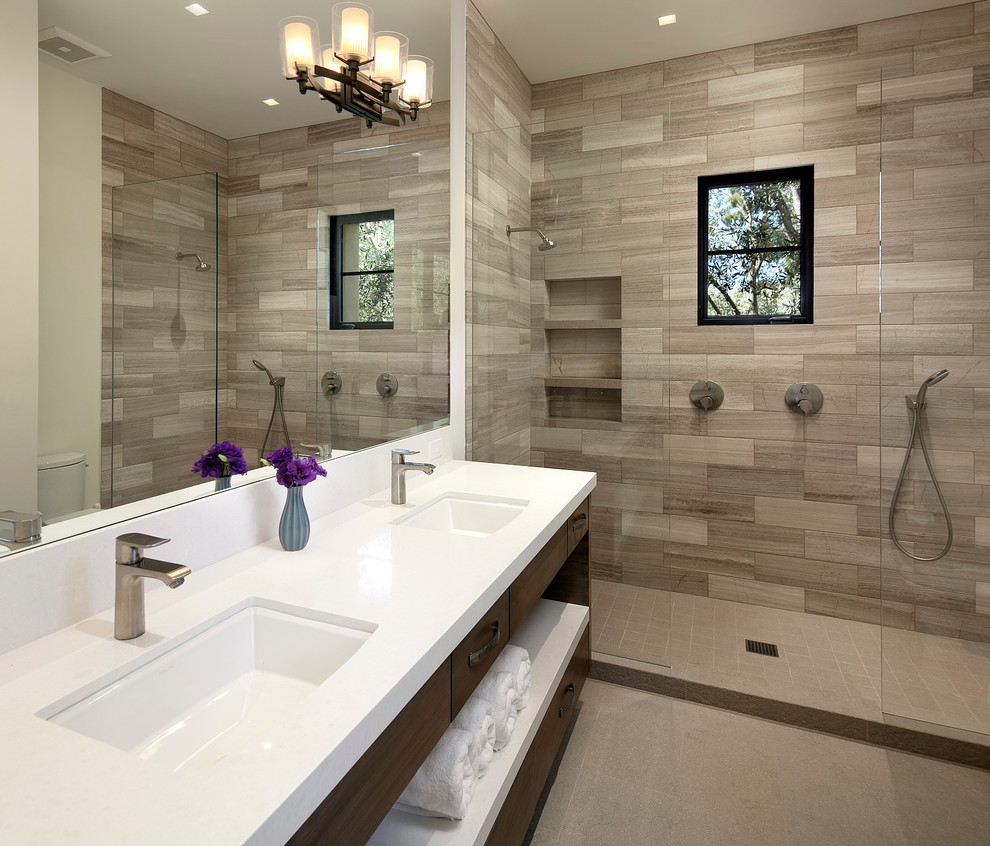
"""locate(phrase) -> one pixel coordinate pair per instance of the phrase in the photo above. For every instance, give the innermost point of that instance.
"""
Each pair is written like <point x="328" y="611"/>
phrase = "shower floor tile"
<point x="823" y="662"/>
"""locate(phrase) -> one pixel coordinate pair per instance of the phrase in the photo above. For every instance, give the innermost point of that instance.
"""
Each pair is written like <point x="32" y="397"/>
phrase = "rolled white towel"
<point x="476" y="717"/>
<point x="515" y="660"/>
<point x="498" y="688"/>
<point x="444" y="785"/>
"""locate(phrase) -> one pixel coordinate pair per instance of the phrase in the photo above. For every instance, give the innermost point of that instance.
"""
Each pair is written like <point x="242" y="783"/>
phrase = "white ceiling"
<point x="215" y="70"/>
<point x="557" y="39"/>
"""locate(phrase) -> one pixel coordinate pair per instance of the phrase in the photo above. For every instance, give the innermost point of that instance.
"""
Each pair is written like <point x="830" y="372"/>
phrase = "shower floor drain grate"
<point x="762" y="648"/>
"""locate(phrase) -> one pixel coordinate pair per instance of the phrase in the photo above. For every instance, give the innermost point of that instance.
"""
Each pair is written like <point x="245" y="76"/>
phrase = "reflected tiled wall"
<point x="268" y="264"/>
<point x="498" y="272"/>
<point x="753" y="502"/>
<point x="165" y="337"/>
<point x="275" y="180"/>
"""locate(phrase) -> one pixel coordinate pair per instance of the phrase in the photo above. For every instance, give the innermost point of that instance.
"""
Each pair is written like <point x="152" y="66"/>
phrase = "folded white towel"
<point x="444" y="785"/>
<point x="498" y="688"/>
<point x="476" y="717"/>
<point x="515" y="660"/>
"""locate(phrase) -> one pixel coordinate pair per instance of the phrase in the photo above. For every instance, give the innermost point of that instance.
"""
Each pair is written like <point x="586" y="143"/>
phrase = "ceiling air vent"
<point x="67" y="47"/>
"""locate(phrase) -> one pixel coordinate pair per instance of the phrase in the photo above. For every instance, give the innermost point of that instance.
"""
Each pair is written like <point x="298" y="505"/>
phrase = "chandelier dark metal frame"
<point x="358" y="94"/>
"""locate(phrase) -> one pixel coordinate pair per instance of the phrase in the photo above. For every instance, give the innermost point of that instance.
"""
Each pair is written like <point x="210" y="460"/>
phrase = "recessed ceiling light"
<point x="664" y="20"/>
<point x="197" y="10"/>
<point x="271" y="101"/>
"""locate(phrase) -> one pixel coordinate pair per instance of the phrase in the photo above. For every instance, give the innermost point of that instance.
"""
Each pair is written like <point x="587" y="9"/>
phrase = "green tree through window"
<point x="362" y="284"/>
<point x="755" y="247"/>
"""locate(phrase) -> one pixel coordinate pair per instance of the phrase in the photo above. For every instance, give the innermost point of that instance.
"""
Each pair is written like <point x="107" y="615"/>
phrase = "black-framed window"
<point x="756" y="247"/>
<point x="362" y="270"/>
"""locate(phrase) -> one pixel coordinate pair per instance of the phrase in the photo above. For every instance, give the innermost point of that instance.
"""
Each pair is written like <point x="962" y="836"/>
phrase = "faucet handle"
<point x="399" y="455"/>
<point x="131" y="546"/>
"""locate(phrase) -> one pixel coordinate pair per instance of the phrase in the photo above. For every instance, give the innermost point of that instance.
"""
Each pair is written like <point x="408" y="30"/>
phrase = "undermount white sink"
<point x="214" y="688"/>
<point x="465" y="514"/>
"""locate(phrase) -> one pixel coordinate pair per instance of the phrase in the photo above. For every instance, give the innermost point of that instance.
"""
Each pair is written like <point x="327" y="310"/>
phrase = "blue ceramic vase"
<point x="293" y="528"/>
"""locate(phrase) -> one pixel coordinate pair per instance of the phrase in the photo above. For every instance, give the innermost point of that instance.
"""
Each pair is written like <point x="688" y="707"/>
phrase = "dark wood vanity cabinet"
<point x="354" y="809"/>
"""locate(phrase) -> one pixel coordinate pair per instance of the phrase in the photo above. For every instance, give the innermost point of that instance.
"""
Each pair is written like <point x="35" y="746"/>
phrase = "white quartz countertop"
<point x="423" y="590"/>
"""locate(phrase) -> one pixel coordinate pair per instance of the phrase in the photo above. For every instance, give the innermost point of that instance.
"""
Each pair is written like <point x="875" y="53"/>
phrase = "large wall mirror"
<point x="184" y="282"/>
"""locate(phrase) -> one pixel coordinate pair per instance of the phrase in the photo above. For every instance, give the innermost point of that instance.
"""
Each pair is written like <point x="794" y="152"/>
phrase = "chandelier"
<point x="361" y="71"/>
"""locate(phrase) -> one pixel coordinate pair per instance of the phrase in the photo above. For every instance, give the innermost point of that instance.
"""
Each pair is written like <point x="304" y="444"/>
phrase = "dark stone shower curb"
<point x="800" y="716"/>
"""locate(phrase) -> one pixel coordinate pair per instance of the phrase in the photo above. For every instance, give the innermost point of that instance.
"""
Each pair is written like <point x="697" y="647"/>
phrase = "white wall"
<point x="70" y="269"/>
<point x="19" y="255"/>
<point x="49" y="587"/>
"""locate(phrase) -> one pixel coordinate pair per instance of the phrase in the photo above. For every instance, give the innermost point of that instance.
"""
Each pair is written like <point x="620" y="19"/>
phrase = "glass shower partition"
<point x="164" y="339"/>
<point x="935" y="317"/>
<point x="568" y="367"/>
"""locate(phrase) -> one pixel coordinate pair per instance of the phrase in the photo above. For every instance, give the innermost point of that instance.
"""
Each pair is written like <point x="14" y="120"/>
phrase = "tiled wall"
<point x="498" y="272"/>
<point x="160" y="327"/>
<point x="753" y="502"/>
<point x="275" y="180"/>
<point x="268" y="262"/>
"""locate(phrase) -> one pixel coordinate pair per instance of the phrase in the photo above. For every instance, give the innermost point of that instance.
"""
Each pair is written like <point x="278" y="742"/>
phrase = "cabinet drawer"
<point x="477" y="652"/>
<point x="577" y="524"/>
<point x="513" y="820"/>
<point x="531" y="582"/>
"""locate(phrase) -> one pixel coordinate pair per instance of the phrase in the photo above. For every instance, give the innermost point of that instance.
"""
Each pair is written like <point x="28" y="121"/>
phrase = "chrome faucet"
<point x="132" y="569"/>
<point x="399" y="468"/>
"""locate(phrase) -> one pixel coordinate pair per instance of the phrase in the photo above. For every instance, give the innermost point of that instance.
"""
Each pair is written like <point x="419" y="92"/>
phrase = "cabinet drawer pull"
<point x="569" y="690"/>
<point x="475" y="658"/>
<point x="578" y="523"/>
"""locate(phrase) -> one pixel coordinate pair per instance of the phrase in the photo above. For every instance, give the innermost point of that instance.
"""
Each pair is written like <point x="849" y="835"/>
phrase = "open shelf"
<point x="584" y="350"/>
<point x="550" y="634"/>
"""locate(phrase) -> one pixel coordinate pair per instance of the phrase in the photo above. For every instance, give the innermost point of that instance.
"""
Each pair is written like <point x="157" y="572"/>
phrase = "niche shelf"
<point x="583" y="328"/>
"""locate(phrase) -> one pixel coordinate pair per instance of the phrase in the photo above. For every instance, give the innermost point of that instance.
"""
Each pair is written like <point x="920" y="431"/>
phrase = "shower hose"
<point x="917" y="429"/>
<point x="276" y="407"/>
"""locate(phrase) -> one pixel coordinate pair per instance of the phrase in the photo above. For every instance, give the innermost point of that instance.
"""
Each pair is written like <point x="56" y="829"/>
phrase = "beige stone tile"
<point x="938" y="87"/>
<point x="840" y="161"/>
<point x="951" y="180"/>
<point x="918" y="277"/>
<point x="953" y="22"/>
<point x="756" y="592"/>
<point x="706" y="66"/>
<point x="625" y="133"/>
<point x="827" y="516"/>
<point x="760" y="85"/>
<point x="710" y="450"/>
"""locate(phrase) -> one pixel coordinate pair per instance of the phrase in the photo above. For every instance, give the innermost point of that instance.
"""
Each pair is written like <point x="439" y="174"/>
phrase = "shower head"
<point x="201" y="266"/>
<point x="547" y="243"/>
<point x="934" y="379"/>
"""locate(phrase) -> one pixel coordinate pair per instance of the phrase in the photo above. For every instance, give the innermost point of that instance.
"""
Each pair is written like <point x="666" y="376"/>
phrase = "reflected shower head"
<point x="272" y="380"/>
<point x="547" y="243"/>
<point x="201" y="266"/>
<point x="934" y="379"/>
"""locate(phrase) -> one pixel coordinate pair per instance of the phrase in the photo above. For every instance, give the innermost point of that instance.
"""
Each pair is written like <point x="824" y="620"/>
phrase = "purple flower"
<point x="290" y="471"/>
<point x="222" y="459"/>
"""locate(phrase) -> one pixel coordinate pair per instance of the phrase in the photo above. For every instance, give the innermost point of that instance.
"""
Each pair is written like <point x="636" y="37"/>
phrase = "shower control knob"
<point x="330" y="383"/>
<point x="388" y="385"/>
<point x="804" y="397"/>
<point x="707" y="395"/>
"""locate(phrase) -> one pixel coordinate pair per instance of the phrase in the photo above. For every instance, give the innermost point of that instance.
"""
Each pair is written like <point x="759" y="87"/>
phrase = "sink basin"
<point x="465" y="514"/>
<point x="214" y="688"/>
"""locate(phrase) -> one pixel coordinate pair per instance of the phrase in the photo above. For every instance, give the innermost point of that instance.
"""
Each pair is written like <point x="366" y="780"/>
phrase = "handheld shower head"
<point x="201" y="266"/>
<point x="260" y="366"/>
<point x="547" y="243"/>
<point x="934" y="379"/>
